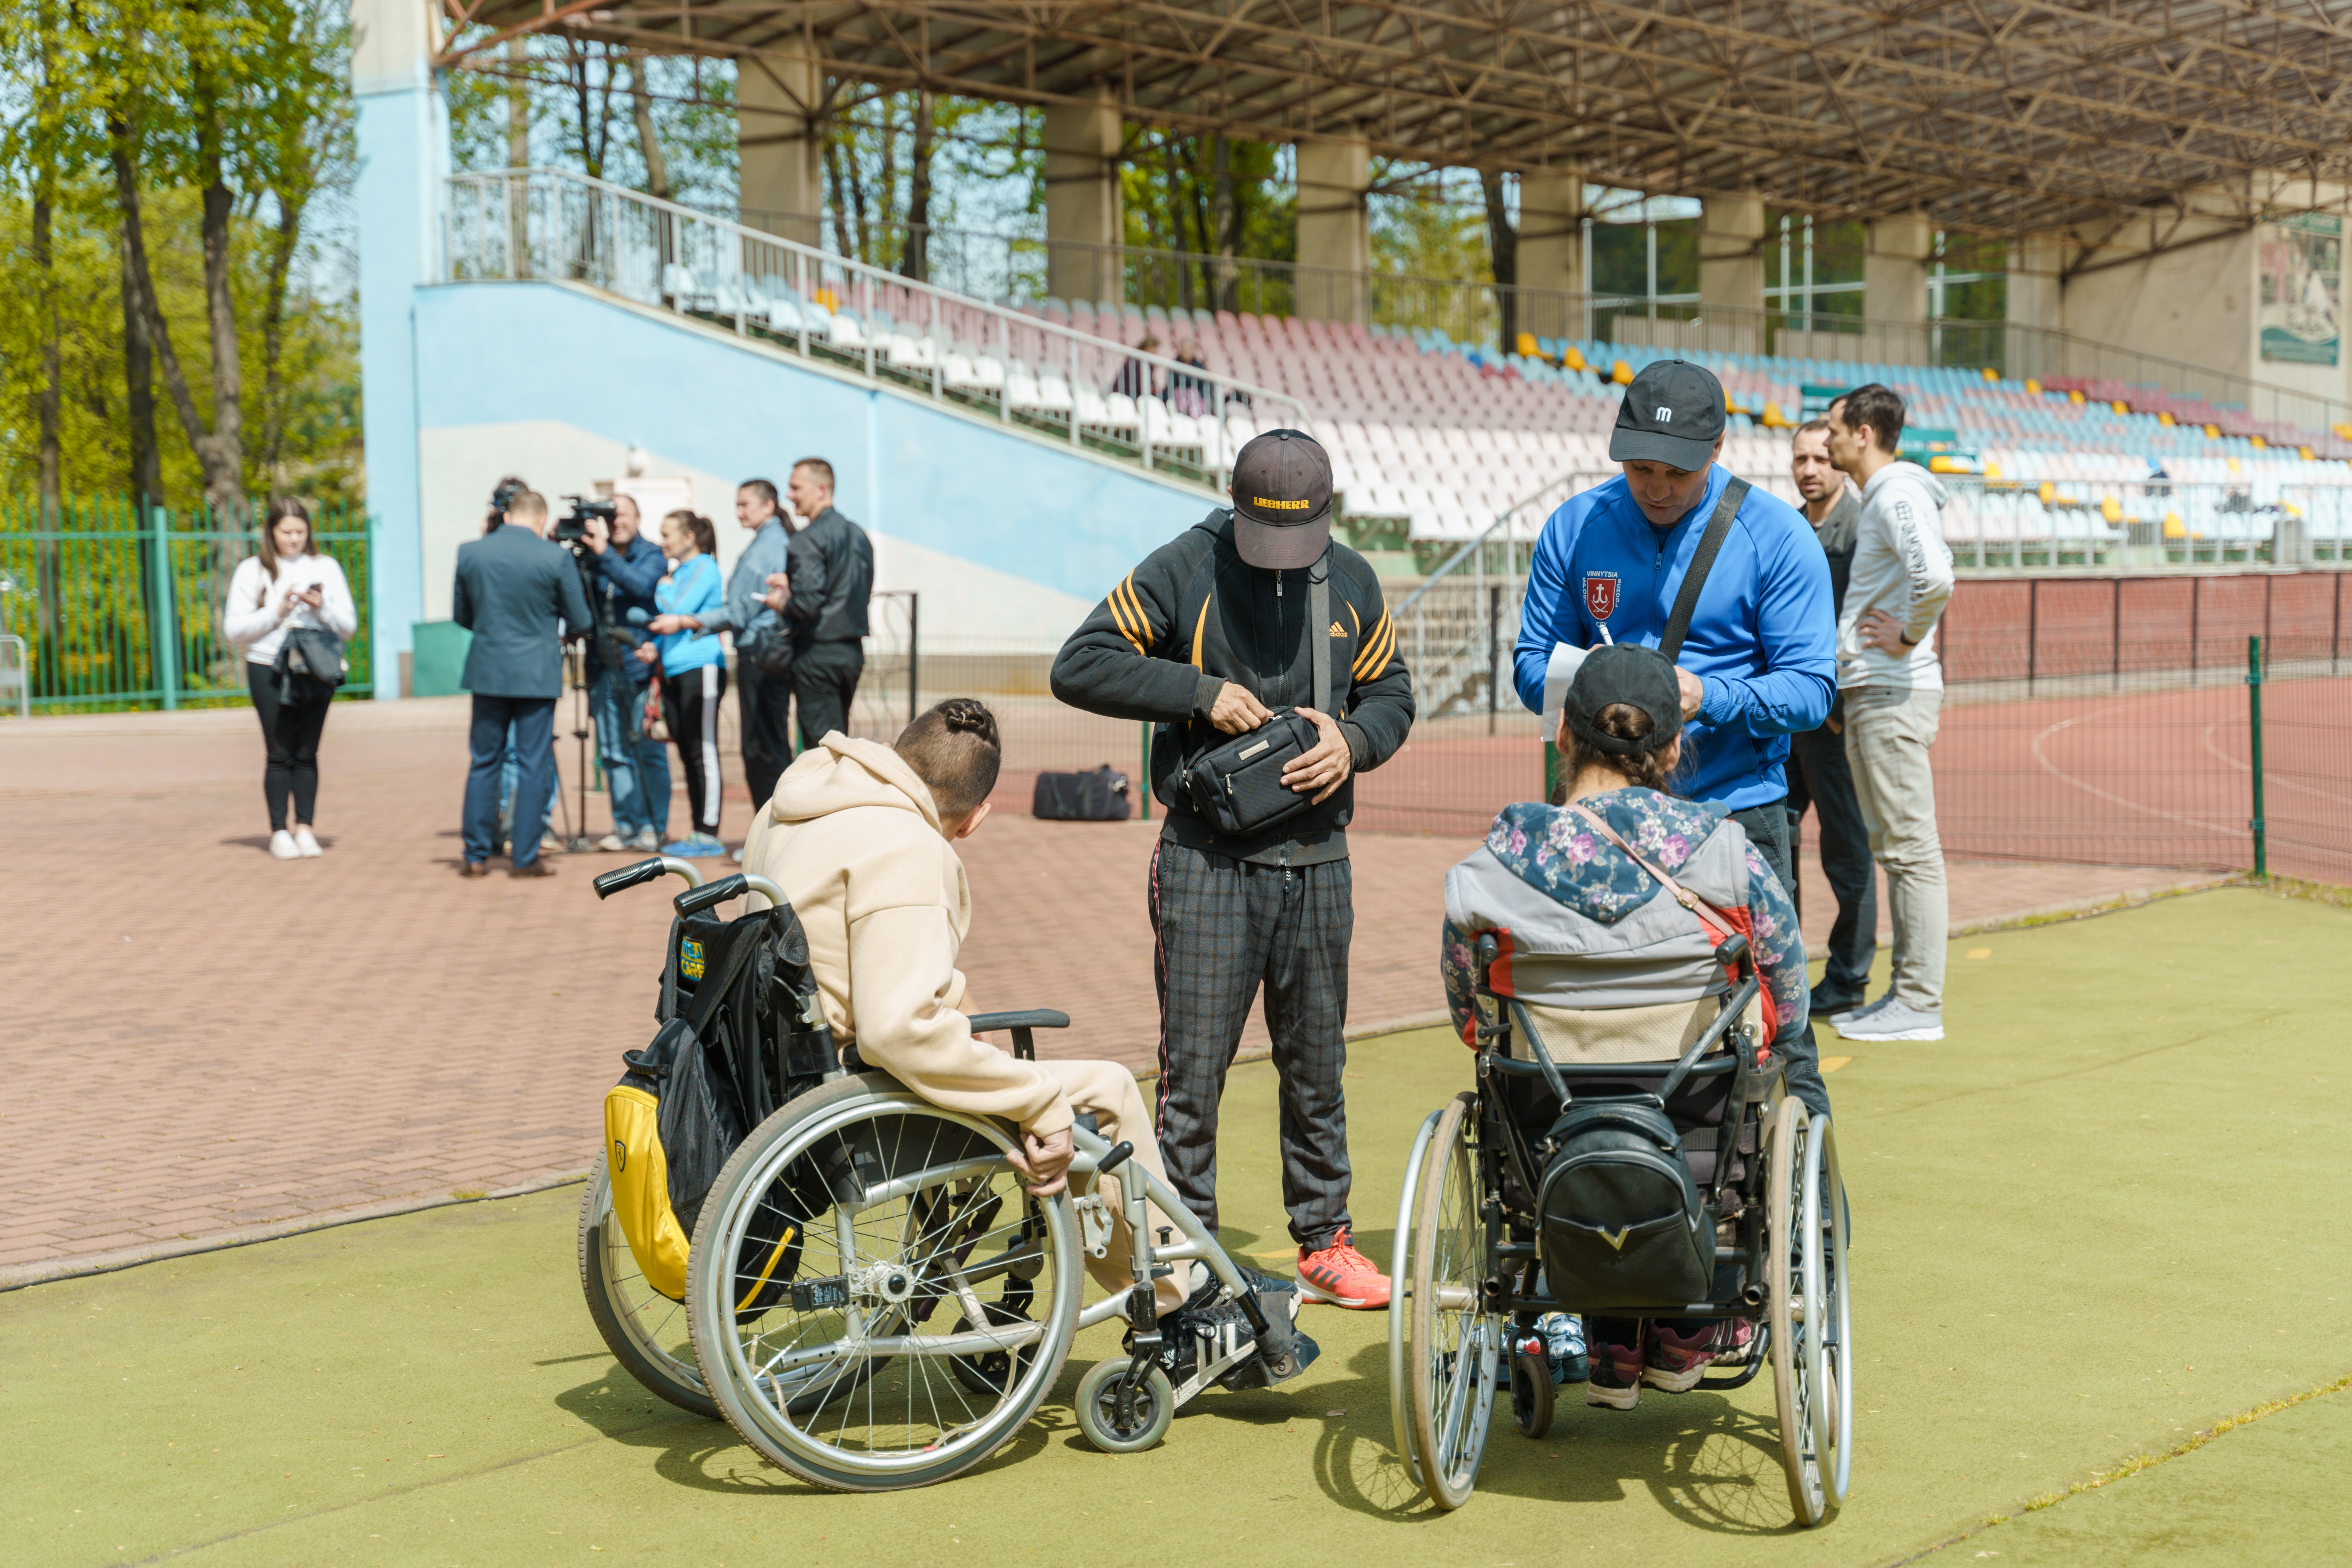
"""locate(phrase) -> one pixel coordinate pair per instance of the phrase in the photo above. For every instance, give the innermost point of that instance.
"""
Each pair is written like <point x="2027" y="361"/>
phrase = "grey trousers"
<point x="1223" y="928"/>
<point x="1819" y="777"/>
<point x="1768" y="829"/>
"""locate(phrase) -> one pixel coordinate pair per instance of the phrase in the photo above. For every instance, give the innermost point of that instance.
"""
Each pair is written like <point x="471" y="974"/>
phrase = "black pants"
<point x="1819" y="777"/>
<point x="291" y="733"/>
<point x="764" y="704"/>
<point x="824" y="680"/>
<point x="1768" y="829"/>
<point x="690" y="709"/>
<point x="1223" y="926"/>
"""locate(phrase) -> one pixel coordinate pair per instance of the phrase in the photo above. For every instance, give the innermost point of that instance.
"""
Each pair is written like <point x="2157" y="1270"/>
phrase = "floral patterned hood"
<point x="1555" y="851"/>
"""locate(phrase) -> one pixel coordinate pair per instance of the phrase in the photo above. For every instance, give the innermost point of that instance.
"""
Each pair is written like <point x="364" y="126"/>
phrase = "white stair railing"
<point x="516" y="225"/>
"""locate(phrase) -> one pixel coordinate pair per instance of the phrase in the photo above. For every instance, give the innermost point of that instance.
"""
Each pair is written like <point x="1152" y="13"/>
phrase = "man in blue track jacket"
<point x="1760" y="660"/>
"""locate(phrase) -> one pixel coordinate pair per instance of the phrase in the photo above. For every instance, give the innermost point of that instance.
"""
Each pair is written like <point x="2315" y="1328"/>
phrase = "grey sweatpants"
<point x="1223" y="928"/>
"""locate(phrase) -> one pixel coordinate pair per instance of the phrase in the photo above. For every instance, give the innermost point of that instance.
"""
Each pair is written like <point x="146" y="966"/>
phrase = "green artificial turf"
<point x="2102" y="1214"/>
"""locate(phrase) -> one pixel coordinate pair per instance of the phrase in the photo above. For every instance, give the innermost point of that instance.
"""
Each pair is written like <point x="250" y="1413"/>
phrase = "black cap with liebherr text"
<point x="1282" y="500"/>
<point x="1671" y="413"/>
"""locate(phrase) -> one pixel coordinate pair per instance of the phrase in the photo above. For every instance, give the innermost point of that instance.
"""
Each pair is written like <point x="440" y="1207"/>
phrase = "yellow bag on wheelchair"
<point x="669" y="1128"/>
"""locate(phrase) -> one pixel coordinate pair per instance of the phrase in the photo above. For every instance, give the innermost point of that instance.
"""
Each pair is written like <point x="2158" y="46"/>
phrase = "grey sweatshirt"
<point x="1901" y="565"/>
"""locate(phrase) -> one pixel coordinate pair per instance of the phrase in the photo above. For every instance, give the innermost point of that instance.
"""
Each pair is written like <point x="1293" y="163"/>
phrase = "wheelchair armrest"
<point x="1036" y="1018"/>
<point x="1024" y="1043"/>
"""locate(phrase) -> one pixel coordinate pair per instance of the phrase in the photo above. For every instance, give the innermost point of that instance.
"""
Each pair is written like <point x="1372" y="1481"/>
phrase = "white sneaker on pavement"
<point x="1895" y="1020"/>
<point x="612" y="843"/>
<point x="307" y="842"/>
<point x="1845" y="1015"/>
<point x="283" y="848"/>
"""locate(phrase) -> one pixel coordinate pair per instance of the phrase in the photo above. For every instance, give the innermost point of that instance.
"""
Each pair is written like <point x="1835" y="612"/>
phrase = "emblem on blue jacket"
<point x="1601" y="593"/>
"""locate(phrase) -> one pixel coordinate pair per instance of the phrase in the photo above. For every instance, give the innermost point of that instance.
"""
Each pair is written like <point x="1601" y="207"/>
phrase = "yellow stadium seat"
<point x="1621" y="373"/>
<point x="1528" y="346"/>
<point x="2112" y="510"/>
<point x="1993" y="470"/>
<point x="2034" y="385"/>
<point x="2075" y="397"/>
<point x="2213" y="432"/>
<point x="2260" y="445"/>
<point x="2164" y="420"/>
<point x="2304" y="452"/>
<point x="2173" y="528"/>
<point x="1990" y="374"/>
<point x="1775" y="420"/>
<point x="1573" y="360"/>
<point x="2048" y="492"/>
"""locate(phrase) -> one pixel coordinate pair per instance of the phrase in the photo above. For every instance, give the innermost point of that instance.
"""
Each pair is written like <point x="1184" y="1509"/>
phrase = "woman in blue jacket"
<point x="693" y="668"/>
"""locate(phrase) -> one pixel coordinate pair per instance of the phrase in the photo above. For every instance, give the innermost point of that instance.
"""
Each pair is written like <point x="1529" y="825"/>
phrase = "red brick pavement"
<point x="202" y="1040"/>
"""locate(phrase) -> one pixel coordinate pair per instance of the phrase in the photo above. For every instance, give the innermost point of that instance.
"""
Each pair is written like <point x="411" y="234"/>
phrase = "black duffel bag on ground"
<point x="1098" y="796"/>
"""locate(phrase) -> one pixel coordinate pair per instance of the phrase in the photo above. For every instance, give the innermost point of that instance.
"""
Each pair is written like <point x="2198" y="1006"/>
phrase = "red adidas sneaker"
<point x="1342" y="1276"/>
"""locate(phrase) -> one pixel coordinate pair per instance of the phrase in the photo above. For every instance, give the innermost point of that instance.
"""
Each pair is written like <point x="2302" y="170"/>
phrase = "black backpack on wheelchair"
<point x="742" y="1031"/>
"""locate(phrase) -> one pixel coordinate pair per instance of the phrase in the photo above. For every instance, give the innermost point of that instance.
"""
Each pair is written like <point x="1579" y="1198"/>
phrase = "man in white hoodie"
<point x="861" y="837"/>
<point x="1892" y="689"/>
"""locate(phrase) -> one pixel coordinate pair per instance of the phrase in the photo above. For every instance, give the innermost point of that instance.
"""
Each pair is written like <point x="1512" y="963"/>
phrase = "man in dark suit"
<point x="520" y="597"/>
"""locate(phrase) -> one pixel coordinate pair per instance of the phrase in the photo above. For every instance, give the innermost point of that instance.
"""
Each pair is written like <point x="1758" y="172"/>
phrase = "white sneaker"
<point x="647" y="842"/>
<point x="307" y="842"/>
<point x="283" y="848"/>
<point x="612" y="843"/>
<point x="1846" y="1015"/>
<point x="1895" y="1020"/>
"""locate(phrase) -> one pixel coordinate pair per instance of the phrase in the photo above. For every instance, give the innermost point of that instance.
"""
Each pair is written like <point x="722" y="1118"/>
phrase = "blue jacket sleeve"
<point x="1546" y="582"/>
<point x="1798" y="632"/>
<point x="635" y="577"/>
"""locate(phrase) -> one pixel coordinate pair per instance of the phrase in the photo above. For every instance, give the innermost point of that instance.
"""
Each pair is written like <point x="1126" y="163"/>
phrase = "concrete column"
<point x="2034" y="292"/>
<point x="1551" y="252"/>
<point x="402" y="131"/>
<point x="1082" y="223"/>
<point x="1730" y="273"/>
<point x="1335" y="231"/>
<point x="1894" y="269"/>
<point x="779" y="146"/>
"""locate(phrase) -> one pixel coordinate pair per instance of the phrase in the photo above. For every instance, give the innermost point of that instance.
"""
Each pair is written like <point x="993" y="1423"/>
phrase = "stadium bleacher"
<point x="1445" y="438"/>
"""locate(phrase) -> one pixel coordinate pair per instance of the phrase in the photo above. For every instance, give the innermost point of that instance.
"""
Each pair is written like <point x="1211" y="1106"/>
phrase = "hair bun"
<point x="968" y="716"/>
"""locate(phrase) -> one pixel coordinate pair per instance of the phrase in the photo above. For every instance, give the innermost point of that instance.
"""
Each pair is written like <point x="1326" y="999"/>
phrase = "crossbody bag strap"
<point x="1318" y="634"/>
<point x="1682" y="895"/>
<point x="1702" y="561"/>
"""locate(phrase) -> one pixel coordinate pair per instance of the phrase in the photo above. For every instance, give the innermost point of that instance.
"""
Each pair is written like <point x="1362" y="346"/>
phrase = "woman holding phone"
<point x="285" y="584"/>
<point x="693" y="668"/>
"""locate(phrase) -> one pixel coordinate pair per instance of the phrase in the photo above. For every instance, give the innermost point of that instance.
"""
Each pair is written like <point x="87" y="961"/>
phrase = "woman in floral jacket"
<point x="1584" y="926"/>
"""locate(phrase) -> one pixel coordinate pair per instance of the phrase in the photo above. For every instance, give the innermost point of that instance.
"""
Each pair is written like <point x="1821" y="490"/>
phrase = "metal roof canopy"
<point x="2002" y="117"/>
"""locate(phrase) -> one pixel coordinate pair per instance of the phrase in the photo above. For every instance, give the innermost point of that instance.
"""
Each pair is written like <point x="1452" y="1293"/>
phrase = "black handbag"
<point x="1238" y="786"/>
<point x="310" y="664"/>
<point x="1098" y="796"/>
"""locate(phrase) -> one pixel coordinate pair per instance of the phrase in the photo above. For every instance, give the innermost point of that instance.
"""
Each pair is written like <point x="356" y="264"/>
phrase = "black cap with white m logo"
<point x="1671" y="414"/>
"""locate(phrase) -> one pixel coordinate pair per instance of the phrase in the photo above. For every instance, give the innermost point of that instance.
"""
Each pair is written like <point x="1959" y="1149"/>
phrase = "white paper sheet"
<point x="1559" y="671"/>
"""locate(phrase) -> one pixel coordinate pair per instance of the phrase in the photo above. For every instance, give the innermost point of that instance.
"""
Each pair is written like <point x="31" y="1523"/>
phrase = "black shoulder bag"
<point x="1710" y="544"/>
<point x="1237" y="787"/>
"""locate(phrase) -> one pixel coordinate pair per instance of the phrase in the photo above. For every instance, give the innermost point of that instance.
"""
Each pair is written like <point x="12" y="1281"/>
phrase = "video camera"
<point x="573" y="526"/>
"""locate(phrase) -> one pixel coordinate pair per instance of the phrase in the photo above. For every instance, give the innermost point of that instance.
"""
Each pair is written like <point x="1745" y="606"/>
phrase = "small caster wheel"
<point x="1531" y="1393"/>
<point x="1152" y="1408"/>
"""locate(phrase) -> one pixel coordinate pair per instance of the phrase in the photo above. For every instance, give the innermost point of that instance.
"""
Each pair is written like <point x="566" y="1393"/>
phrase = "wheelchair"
<point x="874" y="1301"/>
<point x="1475" y="1266"/>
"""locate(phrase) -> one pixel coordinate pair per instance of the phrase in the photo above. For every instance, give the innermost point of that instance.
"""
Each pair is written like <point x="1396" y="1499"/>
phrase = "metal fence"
<point x="122" y="609"/>
<point x="1019" y="368"/>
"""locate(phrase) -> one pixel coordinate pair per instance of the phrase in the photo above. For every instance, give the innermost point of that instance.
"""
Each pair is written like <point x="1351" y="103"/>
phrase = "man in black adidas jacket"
<point x="1205" y="639"/>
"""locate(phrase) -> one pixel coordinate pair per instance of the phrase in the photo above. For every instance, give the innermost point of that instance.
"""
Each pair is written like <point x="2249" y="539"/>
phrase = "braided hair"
<point x="955" y="750"/>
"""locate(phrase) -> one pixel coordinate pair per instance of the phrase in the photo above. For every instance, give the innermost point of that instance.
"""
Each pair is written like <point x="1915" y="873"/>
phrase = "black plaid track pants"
<point x="1223" y="928"/>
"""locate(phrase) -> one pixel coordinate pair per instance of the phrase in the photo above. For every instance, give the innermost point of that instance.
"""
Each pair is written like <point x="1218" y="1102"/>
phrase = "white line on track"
<point x="2270" y="779"/>
<point x="2064" y="777"/>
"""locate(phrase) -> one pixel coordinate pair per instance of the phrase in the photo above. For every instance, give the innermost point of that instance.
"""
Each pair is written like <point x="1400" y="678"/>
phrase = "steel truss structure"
<point x="2171" y="120"/>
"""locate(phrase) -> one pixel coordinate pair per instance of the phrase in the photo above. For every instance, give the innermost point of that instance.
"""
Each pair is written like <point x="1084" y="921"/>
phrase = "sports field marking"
<point x="1831" y="1064"/>
<point x="1980" y="953"/>
<point x="2270" y="779"/>
<point x="2064" y="777"/>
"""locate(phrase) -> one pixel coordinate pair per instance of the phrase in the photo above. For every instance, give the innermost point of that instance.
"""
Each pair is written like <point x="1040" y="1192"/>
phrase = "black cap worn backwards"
<point x="1628" y="673"/>
<point x="1671" y="414"/>
<point x="1282" y="500"/>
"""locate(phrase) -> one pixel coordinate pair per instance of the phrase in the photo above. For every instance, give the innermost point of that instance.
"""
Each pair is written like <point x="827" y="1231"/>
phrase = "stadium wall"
<point x="1009" y="537"/>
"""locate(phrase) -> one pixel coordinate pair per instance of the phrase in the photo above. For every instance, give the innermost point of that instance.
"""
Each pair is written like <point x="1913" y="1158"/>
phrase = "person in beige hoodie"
<point x="861" y="838"/>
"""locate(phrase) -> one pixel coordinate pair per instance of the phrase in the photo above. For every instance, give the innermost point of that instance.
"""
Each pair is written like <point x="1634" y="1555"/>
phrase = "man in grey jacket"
<point x="763" y="650"/>
<point x="520" y="597"/>
<point x="832" y="578"/>
<point x="1892" y="689"/>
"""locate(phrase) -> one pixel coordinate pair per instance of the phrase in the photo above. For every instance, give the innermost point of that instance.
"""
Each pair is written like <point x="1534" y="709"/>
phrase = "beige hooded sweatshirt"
<point x="853" y="838"/>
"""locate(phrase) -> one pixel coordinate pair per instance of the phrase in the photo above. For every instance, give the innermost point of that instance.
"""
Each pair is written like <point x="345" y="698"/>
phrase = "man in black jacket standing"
<point x="520" y="597"/>
<point x="831" y="577"/>
<point x="1207" y="639"/>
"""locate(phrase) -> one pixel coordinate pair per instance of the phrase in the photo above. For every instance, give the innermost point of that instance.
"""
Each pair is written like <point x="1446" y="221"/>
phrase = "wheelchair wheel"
<point x="645" y="1330"/>
<point x="1800" y="1315"/>
<point x="1532" y="1395"/>
<point x="1833" y="1378"/>
<point x="1454" y="1346"/>
<point x="838" y="1269"/>
<point x="1401" y="1273"/>
<point x="1151" y="1408"/>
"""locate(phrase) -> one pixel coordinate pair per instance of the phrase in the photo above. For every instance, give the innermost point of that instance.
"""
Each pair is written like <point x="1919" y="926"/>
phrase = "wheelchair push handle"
<point x="651" y="870"/>
<point x="696" y="899"/>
